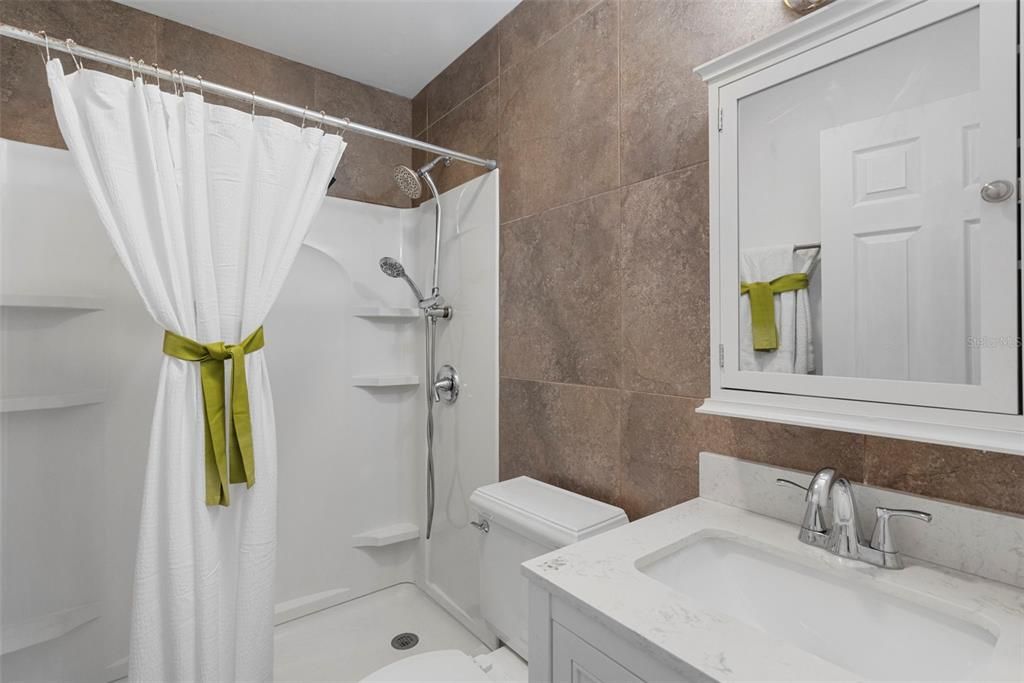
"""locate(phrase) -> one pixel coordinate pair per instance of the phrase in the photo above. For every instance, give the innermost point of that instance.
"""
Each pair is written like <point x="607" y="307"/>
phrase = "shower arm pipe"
<point x="205" y="86"/>
<point x="437" y="234"/>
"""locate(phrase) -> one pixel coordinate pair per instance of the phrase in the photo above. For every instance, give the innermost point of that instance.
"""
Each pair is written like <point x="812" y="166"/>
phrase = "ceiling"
<point x="396" y="45"/>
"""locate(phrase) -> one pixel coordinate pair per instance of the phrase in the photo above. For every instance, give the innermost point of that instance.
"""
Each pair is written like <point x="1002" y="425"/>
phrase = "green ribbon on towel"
<point x="762" y="306"/>
<point x="211" y="359"/>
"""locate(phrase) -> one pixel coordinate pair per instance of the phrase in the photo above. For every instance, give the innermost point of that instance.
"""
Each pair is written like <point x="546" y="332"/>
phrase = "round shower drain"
<point x="405" y="641"/>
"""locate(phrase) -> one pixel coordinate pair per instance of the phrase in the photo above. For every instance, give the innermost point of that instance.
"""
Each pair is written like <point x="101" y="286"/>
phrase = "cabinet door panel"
<point x="576" y="661"/>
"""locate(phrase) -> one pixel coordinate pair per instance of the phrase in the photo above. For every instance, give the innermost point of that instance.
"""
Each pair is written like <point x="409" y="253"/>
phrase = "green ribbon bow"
<point x="762" y="306"/>
<point x="211" y="359"/>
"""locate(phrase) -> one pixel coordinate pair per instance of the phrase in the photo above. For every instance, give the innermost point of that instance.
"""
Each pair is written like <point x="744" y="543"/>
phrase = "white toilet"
<point x="525" y="518"/>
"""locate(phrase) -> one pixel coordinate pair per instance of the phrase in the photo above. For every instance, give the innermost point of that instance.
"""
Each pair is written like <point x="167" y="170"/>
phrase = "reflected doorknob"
<point x="997" y="191"/>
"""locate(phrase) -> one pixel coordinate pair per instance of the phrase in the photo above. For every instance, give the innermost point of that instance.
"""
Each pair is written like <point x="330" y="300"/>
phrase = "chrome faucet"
<point x="842" y="537"/>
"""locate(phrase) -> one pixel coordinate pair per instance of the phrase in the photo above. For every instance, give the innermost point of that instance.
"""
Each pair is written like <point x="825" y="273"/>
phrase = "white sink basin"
<point x="837" y="615"/>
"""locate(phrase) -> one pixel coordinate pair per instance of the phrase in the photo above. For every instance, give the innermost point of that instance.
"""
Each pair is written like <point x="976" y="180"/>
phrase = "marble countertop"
<point x="599" y="576"/>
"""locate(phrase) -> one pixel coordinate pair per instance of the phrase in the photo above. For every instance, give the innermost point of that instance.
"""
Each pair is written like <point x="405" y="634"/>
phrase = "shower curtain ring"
<point x="131" y="65"/>
<point x="174" y="82"/>
<point x="345" y="124"/>
<point x="74" y="57"/>
<point x="305" y="108"/>
<point x="156" y="67"/>
<point x="323" y="119"/>
<point x="46" y="42"/>
<point x="199" y="77"/>
<point x="253" y="105"/>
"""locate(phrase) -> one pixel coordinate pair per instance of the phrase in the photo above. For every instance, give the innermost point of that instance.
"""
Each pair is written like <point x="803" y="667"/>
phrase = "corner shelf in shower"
<point x="20" y="404"/>
<point x="386" y="313"/>
<point x="386" y="535"/>
<point x="69" y="303"/>
<point x="383" y="381"/>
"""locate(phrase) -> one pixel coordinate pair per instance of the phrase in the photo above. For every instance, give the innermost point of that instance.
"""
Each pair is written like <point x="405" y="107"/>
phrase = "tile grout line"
<point x="604" y="388"/>
<point x="622" y="250"/>
<point x="604" y="192"/>
<point x="554" y="35"/>
<point x="431" y="124"/>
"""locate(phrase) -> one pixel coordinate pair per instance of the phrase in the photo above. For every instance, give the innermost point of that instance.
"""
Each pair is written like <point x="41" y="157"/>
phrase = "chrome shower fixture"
<point x="445" y="383"/>
<point x="408" y="180"/>
<point x="394" y="268"/>
<point x="433" y="306"/>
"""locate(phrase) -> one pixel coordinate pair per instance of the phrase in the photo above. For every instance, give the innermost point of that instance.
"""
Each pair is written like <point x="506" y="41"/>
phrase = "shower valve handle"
<point x="446" y="385"/>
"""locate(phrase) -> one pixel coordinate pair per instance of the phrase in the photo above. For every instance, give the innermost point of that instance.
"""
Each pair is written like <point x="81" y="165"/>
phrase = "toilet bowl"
<point x="524" y="518"/>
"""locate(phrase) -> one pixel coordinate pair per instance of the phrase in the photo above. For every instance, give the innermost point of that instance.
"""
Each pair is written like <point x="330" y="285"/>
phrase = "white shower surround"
<point x="350" y="458"/>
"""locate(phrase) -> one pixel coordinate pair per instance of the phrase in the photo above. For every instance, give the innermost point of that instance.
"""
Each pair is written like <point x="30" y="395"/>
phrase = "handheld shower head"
<point x="394" y="268"/>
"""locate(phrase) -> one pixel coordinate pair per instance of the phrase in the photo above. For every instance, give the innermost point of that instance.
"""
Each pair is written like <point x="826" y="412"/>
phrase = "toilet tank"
<point x="527" y="518"/>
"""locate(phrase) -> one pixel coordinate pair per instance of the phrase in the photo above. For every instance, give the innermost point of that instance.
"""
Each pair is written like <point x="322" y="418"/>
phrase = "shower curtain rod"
<point x="204" y="86"/>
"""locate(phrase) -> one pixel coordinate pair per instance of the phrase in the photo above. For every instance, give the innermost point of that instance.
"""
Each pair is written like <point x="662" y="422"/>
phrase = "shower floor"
<point x="352" y="640"/>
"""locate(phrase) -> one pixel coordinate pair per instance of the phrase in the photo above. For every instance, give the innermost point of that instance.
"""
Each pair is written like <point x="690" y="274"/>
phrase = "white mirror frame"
<point x="769" y="401"/>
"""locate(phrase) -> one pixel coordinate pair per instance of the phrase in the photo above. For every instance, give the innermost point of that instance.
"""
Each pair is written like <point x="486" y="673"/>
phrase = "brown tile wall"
<point x="600" y="127"/>
<point x="26" y="115"/>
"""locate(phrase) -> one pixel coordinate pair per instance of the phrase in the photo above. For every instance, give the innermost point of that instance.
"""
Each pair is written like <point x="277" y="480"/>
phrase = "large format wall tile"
<point x="560" y="294"/>
<point x="665" y="327"/>
<point x="800" y="448"/>
<point x="26" y="112"/>
<point x="472" y="128"/>
<point x="664" y="104"/>
<point x="366" y="171"/>
<point x="563" y="434"/>
<point x="419" y="112"/>
<point x="660" y="437"/>
<point x="472" y="70"/>
<point x="532" y="22"/>
<point x="559" y="118"/>
<point x="993" y="480"/>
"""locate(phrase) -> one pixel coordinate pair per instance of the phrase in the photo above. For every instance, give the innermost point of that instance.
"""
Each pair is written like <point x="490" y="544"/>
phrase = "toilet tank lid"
<point x="544" y="513"/>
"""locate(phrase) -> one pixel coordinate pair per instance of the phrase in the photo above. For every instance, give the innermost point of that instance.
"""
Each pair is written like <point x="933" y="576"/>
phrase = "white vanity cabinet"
<point x="570" y="646"/>
<point x="865" y="230"/>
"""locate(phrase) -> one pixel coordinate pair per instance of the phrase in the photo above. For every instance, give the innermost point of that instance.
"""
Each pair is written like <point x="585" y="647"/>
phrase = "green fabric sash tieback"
<point x="762" y="306"/>
<point x="211" y="359"/>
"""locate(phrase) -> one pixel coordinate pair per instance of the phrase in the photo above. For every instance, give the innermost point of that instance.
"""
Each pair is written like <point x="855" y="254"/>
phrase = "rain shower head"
<point x="394" y="268"/>
<point x="408" y="182"/>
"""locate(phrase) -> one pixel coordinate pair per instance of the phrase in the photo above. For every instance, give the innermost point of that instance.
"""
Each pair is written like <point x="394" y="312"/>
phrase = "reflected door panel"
<point x="900" y="210"/>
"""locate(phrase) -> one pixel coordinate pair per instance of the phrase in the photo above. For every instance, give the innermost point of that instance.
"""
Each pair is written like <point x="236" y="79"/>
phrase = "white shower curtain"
<point x="206" y="207"/>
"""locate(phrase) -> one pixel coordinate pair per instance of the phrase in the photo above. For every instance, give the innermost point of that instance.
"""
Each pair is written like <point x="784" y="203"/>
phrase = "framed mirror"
<point x="865" y="216"/>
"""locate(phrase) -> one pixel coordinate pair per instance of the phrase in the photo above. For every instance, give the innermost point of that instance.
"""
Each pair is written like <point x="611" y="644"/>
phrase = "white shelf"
<point x="386" y="313"/>
<point x="49" y="627"/>
<point x="386" y="535"/>
<point x="18" y="404"/>
<point x="81" y="303"/>
<point x="370" y="381"/>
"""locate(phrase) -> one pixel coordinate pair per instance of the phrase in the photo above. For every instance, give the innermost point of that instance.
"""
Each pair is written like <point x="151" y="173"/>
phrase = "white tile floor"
<point x="350" y="641"/>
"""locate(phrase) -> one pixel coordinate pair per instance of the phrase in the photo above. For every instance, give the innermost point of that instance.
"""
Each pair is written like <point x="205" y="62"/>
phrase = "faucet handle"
<point x="788" y="482"/>
<point x="813" y="527"/>
<point x="881" y="538"/>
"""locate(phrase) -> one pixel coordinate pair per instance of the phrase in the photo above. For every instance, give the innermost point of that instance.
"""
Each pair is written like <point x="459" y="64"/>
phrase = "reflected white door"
<point x="900" y="210"/>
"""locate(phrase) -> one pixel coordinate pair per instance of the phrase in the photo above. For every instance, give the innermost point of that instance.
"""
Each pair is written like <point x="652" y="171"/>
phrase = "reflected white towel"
<point x="792" y="311"/>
